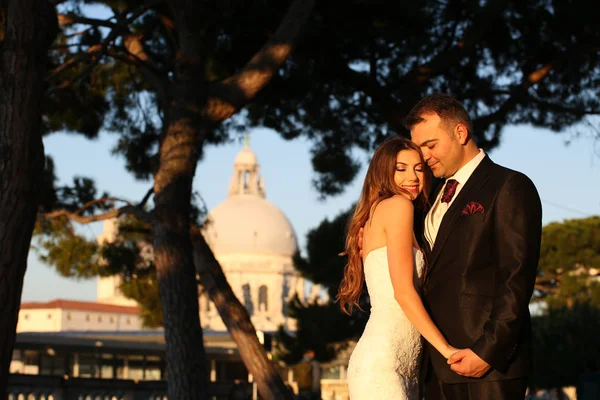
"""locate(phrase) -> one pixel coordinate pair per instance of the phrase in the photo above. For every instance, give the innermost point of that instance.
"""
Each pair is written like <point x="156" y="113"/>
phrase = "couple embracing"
<point x="464" y="285"/>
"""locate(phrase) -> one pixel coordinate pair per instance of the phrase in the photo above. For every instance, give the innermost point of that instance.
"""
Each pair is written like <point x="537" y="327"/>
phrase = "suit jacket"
<point x="481" y="272"/>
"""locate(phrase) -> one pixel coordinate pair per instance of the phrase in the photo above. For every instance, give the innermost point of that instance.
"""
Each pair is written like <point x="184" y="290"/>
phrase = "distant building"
<point x="70" y="315"/>
<point x="253" y="241"/>
<point x="251" y="238"/>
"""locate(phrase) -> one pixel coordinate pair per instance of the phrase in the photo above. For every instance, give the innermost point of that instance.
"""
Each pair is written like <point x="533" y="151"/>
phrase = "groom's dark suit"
<point x="480" y="276"/>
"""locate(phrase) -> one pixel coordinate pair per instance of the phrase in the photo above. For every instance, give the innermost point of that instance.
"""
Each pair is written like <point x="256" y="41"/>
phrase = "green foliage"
<point x="570" y="252"/>
<point x="57" y="241"/>
<point x="71" y="254"/>
<point x="363" y="65"/>
<point x="145" y="292"/>
<point x="571" y="243"/>
<point x="565" y="342"/>
<point x="569" y="258"/>
<point x="96" y="87"/>
<point x="576" y="289"/>
<point x="355" y="72"/>
<point x="129" y="257"/>
<point x="81" y="192"/>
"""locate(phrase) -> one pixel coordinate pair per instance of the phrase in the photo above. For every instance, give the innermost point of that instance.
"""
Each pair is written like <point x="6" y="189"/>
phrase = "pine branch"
<point x="563" y="108"/>
<point x="99" y="201"/>
<point x="465" y="46"/>
<point x="97" y="52"/>
<point x="139" y="59"/>
<point x="89" y="54"/>
<point x="392" y="109"/>
<point x="76" y="216"/>
<point x="146" y="197"/>
<point x="234" y="92"/>
<point x="71" y="19"/>
<point x="114" y="213"/>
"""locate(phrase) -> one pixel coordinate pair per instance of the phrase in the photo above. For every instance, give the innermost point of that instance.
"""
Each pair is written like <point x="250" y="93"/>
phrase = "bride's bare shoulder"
<point x="393" y="207"/>
<point x="396" y="203"/>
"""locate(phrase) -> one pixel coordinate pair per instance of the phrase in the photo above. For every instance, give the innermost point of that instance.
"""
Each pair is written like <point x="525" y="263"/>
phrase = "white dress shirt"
<point x="438" y="210"/>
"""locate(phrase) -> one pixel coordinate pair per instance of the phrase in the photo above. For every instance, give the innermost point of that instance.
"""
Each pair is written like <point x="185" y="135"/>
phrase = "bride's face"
<point x="409" y="172"/>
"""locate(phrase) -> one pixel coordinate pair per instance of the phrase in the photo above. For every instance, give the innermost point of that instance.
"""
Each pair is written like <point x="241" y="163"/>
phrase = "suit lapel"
<point x="477" y="179"/>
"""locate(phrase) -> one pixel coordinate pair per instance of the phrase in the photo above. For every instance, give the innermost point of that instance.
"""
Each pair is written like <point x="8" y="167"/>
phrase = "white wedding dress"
<point x="385" y="362"/>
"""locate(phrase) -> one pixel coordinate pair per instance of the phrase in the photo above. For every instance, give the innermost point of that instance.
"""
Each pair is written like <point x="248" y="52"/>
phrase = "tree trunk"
<point x="238" y="323"/>
<point x="186" y="360"/>
<point x="187" y="368"/>
<point x="27" y="28"/>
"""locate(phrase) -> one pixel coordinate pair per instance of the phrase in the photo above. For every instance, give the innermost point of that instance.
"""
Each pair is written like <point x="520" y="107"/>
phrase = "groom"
<point x="482" y="239"/>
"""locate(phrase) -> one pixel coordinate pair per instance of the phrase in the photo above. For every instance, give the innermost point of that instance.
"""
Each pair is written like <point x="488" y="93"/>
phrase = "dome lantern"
<point x="246" y="178"/>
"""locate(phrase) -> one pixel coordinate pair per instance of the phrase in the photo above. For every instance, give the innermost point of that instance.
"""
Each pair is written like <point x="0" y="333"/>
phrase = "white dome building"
<point x="254" y="242"/>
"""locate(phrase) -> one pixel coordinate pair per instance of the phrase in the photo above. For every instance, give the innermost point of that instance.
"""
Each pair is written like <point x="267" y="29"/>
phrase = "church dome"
<point x="249" y="224"/>
<point x="246" y="222"/>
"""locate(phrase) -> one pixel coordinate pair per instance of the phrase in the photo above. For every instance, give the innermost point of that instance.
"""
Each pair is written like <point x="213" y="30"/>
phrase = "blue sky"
<point x="566" y="176"/>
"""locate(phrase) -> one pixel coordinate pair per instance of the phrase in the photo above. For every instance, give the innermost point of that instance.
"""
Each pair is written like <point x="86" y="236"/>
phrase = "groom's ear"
<point x="461" y="133"/>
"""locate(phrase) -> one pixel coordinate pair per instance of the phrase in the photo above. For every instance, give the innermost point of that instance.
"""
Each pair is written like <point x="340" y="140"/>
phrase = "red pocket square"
<point x="473" y="208"/>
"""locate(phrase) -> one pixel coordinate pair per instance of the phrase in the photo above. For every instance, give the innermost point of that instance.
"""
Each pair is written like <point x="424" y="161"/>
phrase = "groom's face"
<point x="441" y="150"/>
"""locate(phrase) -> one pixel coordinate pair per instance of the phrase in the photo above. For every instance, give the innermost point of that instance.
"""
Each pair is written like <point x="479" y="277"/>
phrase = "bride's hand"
<point x="449" y="351"/>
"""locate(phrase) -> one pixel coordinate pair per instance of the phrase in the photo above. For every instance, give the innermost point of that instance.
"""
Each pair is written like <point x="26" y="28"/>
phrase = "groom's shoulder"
<point x="504" y="176"/>
<point x="502" y="172"/>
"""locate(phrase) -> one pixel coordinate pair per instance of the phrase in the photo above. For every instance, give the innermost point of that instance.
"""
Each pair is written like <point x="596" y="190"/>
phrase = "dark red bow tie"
<point x="449" y="190"/>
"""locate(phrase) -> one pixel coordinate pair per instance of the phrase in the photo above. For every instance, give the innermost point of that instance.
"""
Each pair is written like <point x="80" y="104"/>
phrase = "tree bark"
<point x="27" y="29"/>
<point x="186" y="360"/>
<point x="238" y="323"/>
<point x="187" y="373"/>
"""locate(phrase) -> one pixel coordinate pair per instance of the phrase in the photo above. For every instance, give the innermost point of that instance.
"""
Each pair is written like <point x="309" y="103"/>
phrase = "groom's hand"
<point x="466" y="363"/>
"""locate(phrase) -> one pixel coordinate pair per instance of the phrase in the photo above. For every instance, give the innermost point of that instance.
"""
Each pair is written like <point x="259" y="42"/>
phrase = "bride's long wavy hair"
<point x="379" y="185"/>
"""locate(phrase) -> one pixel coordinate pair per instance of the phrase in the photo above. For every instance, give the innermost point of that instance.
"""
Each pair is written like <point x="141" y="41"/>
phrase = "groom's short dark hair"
<point x="447" y="107"/>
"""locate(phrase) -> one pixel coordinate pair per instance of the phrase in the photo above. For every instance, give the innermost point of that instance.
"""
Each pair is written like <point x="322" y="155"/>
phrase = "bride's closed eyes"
<point x="402" y="167"/>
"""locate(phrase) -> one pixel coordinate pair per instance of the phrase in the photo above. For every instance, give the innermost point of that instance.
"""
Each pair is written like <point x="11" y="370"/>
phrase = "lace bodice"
<point x="385" y="361"/>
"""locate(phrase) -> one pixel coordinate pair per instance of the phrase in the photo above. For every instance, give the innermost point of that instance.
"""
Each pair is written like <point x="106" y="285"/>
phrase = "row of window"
<point x="141" y="367"/>
<point x="88" y="365"/>
<point x="88" y="318"/>
<point x="110" y="365"/>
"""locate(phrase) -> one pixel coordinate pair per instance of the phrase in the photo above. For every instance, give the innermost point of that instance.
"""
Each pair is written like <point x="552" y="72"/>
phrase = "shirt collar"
<point x="463" y="174"/>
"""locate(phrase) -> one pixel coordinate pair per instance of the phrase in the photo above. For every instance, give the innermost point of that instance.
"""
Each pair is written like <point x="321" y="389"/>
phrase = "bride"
<point x="385" y="361"/>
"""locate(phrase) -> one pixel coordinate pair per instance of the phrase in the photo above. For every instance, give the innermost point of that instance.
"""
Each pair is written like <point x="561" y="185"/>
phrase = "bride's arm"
<point x="398" y="214"/>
